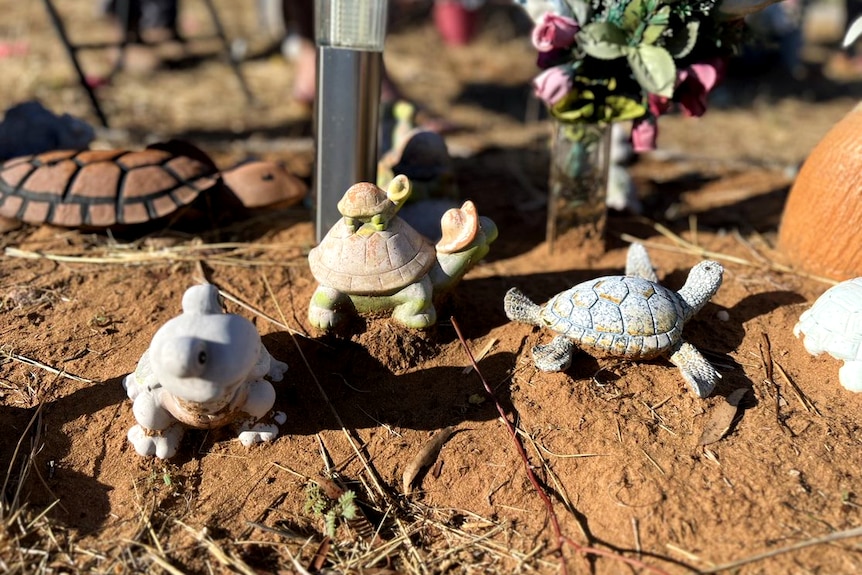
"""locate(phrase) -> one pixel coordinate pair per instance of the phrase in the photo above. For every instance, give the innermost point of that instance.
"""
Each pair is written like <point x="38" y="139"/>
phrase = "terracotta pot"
<point x="821" y="229"/>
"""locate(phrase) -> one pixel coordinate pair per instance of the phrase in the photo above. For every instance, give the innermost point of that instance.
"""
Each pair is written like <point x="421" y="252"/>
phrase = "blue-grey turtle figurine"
<point x="630" y="316"/>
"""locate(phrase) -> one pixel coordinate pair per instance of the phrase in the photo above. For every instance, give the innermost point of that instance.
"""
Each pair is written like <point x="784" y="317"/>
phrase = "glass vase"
<point x="578" y="178"/>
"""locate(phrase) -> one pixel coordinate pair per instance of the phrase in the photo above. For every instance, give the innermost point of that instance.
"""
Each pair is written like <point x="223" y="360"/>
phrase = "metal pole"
<point x="346" y="118"/>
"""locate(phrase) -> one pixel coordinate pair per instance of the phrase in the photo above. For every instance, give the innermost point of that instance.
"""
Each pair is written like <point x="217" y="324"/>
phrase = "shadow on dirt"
<point x="82" y="501"/>
<point x="366" y="393"/>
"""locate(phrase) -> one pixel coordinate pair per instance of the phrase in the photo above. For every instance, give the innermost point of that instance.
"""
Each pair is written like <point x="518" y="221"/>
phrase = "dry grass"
<point x="28" y="543"/>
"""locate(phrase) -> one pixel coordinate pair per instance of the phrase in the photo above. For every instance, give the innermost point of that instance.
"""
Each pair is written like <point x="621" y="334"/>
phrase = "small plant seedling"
<point x="333" y="511"/>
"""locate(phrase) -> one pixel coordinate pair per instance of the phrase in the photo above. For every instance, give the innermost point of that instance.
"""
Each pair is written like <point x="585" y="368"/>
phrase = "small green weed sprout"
<point x="333" y="511"/>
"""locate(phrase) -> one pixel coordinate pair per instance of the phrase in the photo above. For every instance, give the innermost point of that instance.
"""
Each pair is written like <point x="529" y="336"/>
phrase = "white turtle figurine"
<point x="630" y="316"/>
<point x="834" y="325"/>
<point x="204" y="369"/>
<point x="373" y="262"/>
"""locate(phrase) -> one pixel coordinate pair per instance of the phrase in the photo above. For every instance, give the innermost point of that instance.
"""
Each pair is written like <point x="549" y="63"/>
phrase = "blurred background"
<point x="788" y="87"/>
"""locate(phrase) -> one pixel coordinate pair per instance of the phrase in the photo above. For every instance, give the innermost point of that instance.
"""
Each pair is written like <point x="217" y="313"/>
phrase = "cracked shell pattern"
<point x="621" y="315"/>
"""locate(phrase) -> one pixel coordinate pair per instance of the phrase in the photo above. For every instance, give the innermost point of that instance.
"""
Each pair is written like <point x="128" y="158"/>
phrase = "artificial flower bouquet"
<point x="607" y="61"/>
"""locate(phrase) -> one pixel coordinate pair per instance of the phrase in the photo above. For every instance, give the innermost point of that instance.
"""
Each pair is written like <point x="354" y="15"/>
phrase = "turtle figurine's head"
<point x="204" y="354"/>
<point x="367" y="206"/>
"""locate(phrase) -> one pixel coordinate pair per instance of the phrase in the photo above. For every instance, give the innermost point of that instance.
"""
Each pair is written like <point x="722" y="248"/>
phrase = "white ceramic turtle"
<point x="630" y="316"/>
<point x="834" y="325"/>
<point x="204" y="369"/>
<point x="373" y="262"/>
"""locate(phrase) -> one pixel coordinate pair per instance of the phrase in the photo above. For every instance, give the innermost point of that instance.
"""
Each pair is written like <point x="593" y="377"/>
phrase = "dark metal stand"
<point x="233" y="61"/>
<point x="72" y="51"/>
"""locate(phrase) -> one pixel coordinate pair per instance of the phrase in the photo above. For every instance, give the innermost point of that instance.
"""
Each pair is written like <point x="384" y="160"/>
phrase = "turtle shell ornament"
<point x="630" y="316"/>
<point x="114" y="189"/>
<point x="834" y="325"/>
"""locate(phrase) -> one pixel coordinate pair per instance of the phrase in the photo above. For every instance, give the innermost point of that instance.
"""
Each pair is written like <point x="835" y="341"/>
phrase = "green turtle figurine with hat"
<point x="372" y="262"/>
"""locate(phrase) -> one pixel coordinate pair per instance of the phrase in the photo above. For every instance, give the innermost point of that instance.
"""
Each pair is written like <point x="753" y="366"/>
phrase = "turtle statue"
<point x="372" y="262"/>
<point x="834" y="325"/>
<point x="630" y="316"/>
<point x="421" y="155"/>
<point x="115" y="189"/>
<point x="204" y="369"/>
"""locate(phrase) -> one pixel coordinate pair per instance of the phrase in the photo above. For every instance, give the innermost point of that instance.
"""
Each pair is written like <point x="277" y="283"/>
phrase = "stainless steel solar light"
<point x="350" y="36"/>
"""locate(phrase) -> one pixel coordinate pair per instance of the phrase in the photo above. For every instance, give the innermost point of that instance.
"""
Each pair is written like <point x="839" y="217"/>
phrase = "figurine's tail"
<point x="521" y="308"/>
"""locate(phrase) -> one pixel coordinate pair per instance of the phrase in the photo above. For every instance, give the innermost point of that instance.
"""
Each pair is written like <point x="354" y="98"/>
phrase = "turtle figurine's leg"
<point x="140" y="379"/>
<point x="157" y="432"/>
<point x="130" y="384"/>
<point x="415" y="306"/>
<point x="638" y="263"/>
<point x="850" y="375"/>
<point x="268" y="366"/>
<point x="251" y="432"/>
<point x="276" y="369"/>
<point x="554" y="356"/>
<point x="261" y="398"/>
<point x="695" y="369"/>
<point x="326" y="309"/>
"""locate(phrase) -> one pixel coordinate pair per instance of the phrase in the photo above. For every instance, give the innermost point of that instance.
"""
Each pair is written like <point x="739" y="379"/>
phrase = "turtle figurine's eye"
<point x="202" y="357"/>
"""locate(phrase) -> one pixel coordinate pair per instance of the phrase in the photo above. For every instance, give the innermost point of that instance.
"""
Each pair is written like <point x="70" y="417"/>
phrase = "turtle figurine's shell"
<point x="103" y="188"/>
<point x="623" y="315"/>
<point x="360" y="263"/>
<point x="834" y="323"/>
<point x="363" y="200"/>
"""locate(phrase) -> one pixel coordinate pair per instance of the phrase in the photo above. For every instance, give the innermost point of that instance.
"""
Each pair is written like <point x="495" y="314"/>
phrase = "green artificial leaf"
<point x="633" y="16"/>
<point x="574" y="133"/>
<point x="662" y="17"/>
<point x="581" y="114"/>
<point x="581" y="9"/>
<point x="683" y="40"/>
<point x="654" y="69"/>
<point x="603" y="40"/>
<point x="623" y="108"/>
<point x="652" y="33"/>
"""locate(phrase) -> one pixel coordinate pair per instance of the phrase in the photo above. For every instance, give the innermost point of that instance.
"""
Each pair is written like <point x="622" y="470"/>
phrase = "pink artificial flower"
<point x="658" y="105"/>
<point x="644" y="134"/>
<point x="552" y="85"/>
<point x="694" y="83"/>
<point x="554" y="31"/>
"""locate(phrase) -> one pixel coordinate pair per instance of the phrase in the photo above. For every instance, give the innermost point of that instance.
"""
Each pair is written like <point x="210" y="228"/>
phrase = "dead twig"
<point x="488" y="347"/>
<point x="686" y="247"/>
<point x="36" y="363"/>
<point x="803" y="399"/>
<point x="425" y="457"/>
<point x="768" y="366"/>
<point x="831" y="538"/>
<point x="160" y="257"/>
